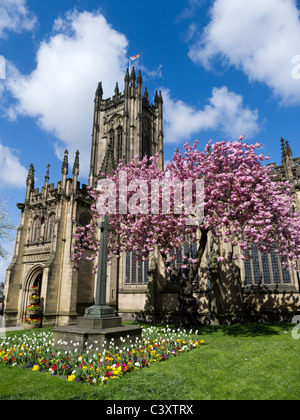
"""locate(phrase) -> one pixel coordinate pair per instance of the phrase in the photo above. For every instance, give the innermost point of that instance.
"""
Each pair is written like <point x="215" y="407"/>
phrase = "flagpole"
<point x="135" y="57"/>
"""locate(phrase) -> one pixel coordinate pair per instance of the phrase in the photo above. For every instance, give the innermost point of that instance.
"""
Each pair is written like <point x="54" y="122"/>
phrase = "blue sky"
<point x="225" y="68"/>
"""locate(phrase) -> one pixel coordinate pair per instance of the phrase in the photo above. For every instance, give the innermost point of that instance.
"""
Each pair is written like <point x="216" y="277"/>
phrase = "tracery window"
<point x="51" y="224"/>
<point x="36" y="229"/>
<point x="266" y="269"/>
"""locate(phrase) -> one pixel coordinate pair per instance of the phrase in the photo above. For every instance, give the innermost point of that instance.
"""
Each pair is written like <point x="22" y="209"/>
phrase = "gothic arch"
<point x="33" y="278"/>
<point x="115" y="121"/>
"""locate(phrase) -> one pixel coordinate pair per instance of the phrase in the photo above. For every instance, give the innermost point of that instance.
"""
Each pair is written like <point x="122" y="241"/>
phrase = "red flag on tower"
<point x="135" y="57"/>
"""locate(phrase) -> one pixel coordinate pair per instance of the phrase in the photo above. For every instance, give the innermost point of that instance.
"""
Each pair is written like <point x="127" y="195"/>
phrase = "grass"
<point x="239" y="362"/>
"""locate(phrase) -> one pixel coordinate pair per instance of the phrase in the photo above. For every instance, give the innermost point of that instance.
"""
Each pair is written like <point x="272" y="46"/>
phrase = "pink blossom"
<point x="243" y="205"/>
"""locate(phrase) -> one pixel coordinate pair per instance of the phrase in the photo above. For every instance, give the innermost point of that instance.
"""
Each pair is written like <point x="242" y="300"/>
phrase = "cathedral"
<point x="124" y="126"/>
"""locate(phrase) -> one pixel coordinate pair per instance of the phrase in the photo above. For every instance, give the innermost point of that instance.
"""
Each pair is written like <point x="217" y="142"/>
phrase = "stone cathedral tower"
<point x="125" y="125"/>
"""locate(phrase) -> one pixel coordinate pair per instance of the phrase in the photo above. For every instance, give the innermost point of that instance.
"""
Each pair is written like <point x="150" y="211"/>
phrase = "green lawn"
<point x="251" y="362"/>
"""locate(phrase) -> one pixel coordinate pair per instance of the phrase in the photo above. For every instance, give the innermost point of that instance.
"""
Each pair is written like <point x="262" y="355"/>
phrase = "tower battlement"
<point x="289" y="170"/>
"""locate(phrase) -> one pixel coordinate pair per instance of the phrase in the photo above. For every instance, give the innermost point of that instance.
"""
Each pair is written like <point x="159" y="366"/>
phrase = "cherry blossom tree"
<point x="137" y="222"/>
<point x="243" y="202"/>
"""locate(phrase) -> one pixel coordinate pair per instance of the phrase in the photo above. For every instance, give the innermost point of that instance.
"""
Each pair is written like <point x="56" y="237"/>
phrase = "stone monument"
<point x="99" y="323"/>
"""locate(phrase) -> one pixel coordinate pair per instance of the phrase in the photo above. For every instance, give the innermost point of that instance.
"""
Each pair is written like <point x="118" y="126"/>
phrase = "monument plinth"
<point x="100" y="323"/>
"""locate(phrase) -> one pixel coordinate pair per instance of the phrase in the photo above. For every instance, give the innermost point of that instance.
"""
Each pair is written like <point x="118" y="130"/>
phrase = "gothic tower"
<point x="125" y="125"/>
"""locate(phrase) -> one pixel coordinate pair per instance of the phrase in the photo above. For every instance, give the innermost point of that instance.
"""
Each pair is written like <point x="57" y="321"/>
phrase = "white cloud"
<point x="190" y="9"/>
<point x="2" y="67"/>
<point x="83" y="50"/>
<point x="224" y="112"/>
<point x="258" y="37"/>
<point x="15" y="17"/>
<point x="12" y="172"/>
<point x="152" y="73"/>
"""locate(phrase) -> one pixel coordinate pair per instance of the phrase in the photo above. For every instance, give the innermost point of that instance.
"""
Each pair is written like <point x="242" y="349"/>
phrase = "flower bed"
<point x="96" y="365"/>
